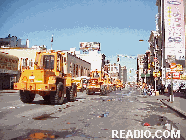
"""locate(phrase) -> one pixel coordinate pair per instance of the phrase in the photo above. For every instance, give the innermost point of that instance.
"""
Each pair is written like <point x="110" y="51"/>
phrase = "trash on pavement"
<point x="103" y="115"/>
<point x="163" y="106"/>
<point x="146" y="124"/>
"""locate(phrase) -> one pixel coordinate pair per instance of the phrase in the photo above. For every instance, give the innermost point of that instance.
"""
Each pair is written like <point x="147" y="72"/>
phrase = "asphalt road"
<point x="89" y="117"/>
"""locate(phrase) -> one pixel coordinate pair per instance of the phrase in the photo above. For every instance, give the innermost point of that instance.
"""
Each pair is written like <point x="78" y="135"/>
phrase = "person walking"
<point x="162" y="89"/>
<point x="145" y="89"/>
<point x="169" y="89"/>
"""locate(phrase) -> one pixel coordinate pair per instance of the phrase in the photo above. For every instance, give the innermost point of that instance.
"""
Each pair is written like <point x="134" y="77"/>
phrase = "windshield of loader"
<point x="48" y="62"/>
<point x="96" y="75"/>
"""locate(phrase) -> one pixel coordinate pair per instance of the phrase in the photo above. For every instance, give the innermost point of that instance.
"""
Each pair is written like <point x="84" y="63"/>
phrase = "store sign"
<point x="173" y="66"/>
<point x="156" y="74"/>
<point x="155" y="59"/>
<point x="179" y="67"/>
<point x="183" y="77"/>
<point x="174" y="29"/>
<point x="176" y="75"/>
<point x="89" y="46"/>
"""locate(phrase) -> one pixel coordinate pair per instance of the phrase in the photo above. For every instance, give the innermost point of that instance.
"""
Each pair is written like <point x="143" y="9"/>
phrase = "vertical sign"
<point x="174" y="29"/>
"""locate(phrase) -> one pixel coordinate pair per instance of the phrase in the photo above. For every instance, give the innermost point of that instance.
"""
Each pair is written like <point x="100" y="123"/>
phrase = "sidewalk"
<point x="9" y="91"/>
<point x="179" y="103"/>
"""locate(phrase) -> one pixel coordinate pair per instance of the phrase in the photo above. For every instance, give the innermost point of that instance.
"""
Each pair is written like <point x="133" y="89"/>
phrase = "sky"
<point x="117" y="24"/>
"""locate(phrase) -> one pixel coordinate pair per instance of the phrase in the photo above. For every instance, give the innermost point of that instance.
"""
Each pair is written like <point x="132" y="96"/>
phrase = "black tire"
<point x="114" y="88"/>
<point x="73" y="92"/>
<point x="102" y="90"/>
<point x="87" y="91"/>
<point x="105" y="90"/>
<point x="54" y="95"/>
<point x="82" y="90"/>
<point x="46" y="98"/>
<point x="26" y="96"/>
<point x="68" y="93"/>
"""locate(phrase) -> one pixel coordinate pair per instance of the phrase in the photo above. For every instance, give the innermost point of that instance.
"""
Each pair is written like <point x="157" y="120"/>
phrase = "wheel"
<point x="87" y="91"/>
<point x="71" y="93"/>
<point x="82" y="89"/>
<point x="26" y="96"/>
<point x="46" y="98"/>
<point x="114" y="88"/>
<point x="102" y="90"/>
<point x="57" y="97"/>
<point x="105" y="90"/>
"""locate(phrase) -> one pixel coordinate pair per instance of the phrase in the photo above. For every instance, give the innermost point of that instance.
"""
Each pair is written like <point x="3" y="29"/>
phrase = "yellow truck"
<point x="119" y="84"/>
<point x="96" y="83"/>
<point x="108" y="82"/>
<point x="79" y="83"/>
<point x="47" y="79"/>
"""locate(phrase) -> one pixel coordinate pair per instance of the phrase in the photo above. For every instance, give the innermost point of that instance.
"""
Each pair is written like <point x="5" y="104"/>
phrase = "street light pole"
<point x="172" y="87"/>
<point x="155" y="71"/>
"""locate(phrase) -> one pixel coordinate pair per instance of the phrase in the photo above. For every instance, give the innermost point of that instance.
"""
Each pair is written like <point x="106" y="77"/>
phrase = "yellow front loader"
<point x="47" y="79"/>
<point x="96" y="83"/>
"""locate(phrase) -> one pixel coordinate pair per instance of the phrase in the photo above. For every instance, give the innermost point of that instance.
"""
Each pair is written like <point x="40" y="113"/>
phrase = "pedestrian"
<point x="162" y="89"/>
<point x="169" y="89"/>
<point x="159" y="88"/>
<point x="145" y="89"/>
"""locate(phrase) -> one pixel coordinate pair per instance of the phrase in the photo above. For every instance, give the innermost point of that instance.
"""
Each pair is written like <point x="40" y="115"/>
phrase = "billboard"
<point x="89" y="46"/>
<point x="174" y="29"/>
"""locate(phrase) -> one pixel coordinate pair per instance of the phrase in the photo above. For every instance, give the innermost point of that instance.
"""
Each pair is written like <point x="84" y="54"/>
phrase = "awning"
<point x="143" y="75"/>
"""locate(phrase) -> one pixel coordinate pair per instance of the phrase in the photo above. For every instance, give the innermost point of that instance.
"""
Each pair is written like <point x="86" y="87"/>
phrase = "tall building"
<point x="124" y="74"/>
<point x="171" y="25"/>
<point x="115" y="71"/>
<point x="96" y="59"/>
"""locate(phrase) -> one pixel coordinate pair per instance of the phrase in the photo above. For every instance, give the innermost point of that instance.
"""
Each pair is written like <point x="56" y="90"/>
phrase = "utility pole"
<point x="172" y="87"/>
<point x="155" y="64"/>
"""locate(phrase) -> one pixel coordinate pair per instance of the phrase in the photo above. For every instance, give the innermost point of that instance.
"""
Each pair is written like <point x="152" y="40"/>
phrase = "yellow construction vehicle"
<point x="96" y="83"/>
<point x="47" y="79"/>
<point x="79" y="83"/>
<point x="119" y="84"/>
<point x="107" y="82"/>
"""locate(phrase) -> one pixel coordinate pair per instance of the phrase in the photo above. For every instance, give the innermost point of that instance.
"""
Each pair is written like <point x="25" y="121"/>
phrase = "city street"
<point x="89" y="117"/>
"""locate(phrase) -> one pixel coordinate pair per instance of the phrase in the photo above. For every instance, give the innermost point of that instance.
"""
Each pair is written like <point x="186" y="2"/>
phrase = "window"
<point x="24" y="62"/>
<point x="31" y="63"/>
<point x="58" y="62"/>
<point x="64" y="59"/>
<point x="48" y="62"/>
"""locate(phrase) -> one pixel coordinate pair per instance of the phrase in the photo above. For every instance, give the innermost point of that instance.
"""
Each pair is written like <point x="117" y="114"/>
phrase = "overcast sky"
<point x="116" y="24"/>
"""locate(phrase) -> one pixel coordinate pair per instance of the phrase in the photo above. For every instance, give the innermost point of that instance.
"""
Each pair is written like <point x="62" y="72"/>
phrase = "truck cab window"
<point x="49" y="62"/>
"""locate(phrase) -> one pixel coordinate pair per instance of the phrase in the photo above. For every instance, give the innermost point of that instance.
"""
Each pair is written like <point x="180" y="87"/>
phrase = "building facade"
<point x="96" y="59"/>
<point x="167" y="51"/>
<point x="124" y="74"/>
<point x="8" y="70"/>
<point x="171" y="27"/>
<point x="12" y="42"/>
<point x="115" y="71"/>
<point x="75" y="65"/>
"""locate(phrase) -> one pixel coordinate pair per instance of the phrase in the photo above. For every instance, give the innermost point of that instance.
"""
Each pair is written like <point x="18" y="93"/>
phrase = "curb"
<point x="182" y="113"/>
<point x="9" y="91"/>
